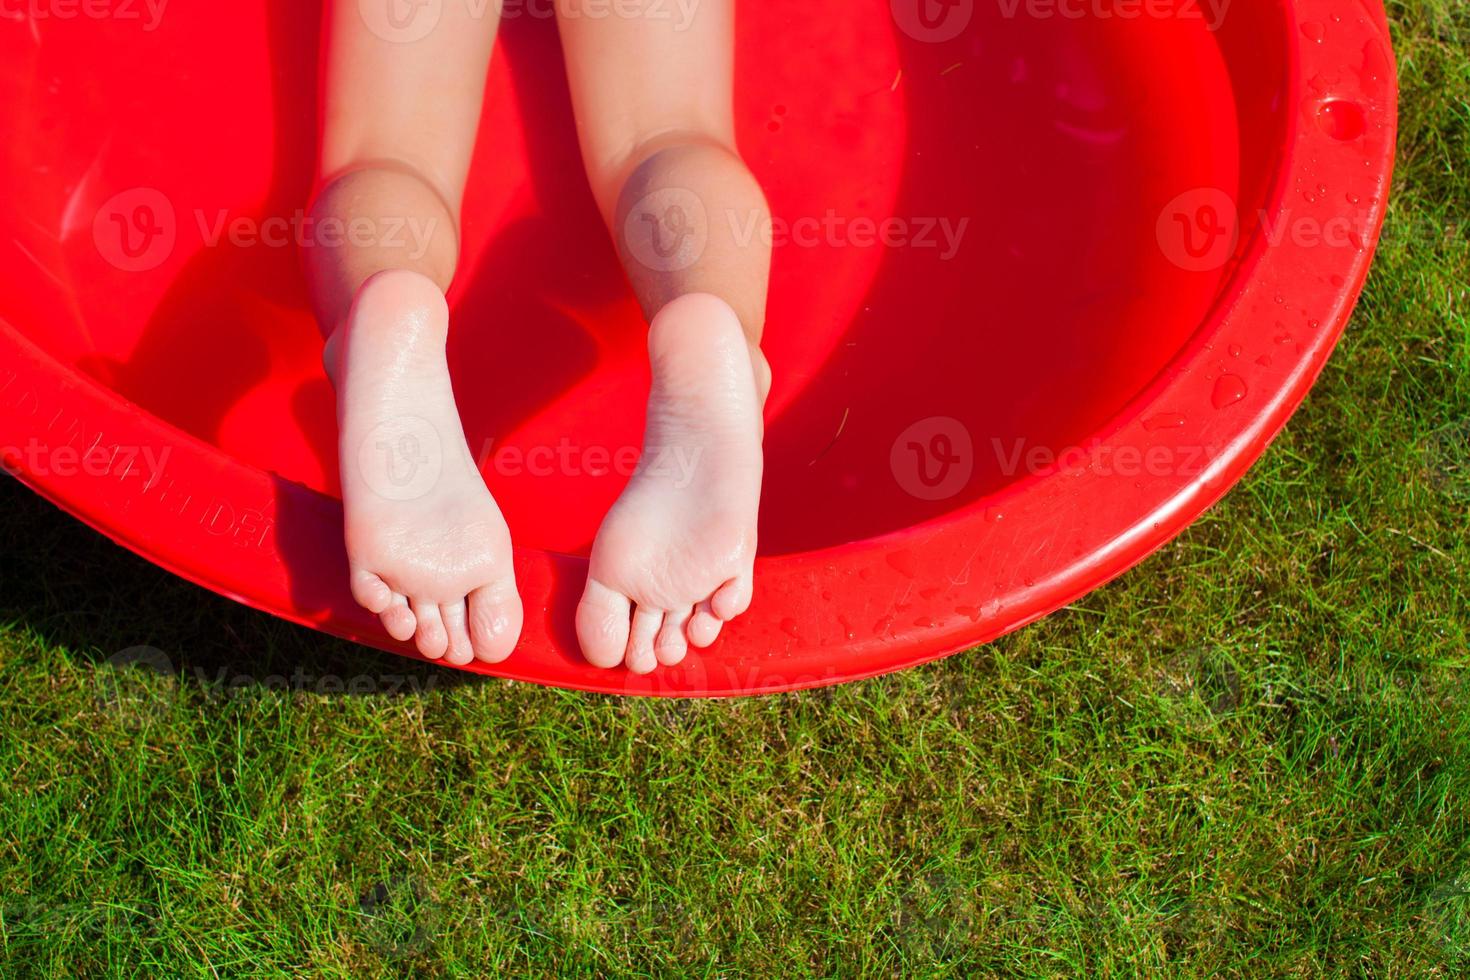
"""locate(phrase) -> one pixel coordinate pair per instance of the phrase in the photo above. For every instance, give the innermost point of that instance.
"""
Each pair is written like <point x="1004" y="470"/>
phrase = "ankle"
<point x="332" y="353"/>
<point x="397" y="306"/>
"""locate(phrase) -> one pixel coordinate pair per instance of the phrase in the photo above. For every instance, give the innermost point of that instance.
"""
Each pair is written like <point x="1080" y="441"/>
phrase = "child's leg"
<point x="654" y="103"/>
<point x="428" y="549"/>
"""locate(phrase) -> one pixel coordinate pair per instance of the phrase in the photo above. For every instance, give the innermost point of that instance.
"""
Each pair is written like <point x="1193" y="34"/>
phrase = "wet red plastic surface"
<point x="1043" y="289"/>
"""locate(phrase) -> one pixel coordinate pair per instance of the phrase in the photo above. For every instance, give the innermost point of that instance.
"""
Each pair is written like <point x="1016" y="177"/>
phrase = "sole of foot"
<point x="428" y="550"/>
<point x="673" y="560"/>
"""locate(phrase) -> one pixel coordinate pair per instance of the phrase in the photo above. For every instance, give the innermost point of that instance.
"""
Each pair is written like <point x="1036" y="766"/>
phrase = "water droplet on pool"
<point x="993" y="516"/>
<point x="1314" y="30"/>
<point x="788" y="626"/>
<point x="1313" y="324"/>
<point x="773" y="126"/>
<point x="904" y="562"/>
<point x="1228" y="390"/>
<point x="1340" y="119"/>
<point x="971" y="611"/>
<point x="1164" y="420"/>
<point x="846" y="627"/>
<point x="1234" y="350"/>
<point x="780" y="110"/>
<point x="1264" y="360"/>
<point x="882" y="626"/>
<point x="1352" y="198"/>
<point x="1375" y="69"/>
<point x="925" y="622"/>
<point x="1280" y="299"/>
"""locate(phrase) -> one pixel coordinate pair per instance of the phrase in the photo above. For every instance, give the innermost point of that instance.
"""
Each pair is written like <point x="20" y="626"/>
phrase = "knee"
<point x="388" y="208"/>
<point x="702" y="166"/>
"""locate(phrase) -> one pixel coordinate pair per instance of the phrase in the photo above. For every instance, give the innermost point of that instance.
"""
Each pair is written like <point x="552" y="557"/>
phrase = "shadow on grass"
<point x="70" y="587"/>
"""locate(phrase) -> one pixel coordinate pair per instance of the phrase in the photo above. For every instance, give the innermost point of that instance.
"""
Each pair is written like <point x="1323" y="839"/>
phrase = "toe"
<point x="495" y="621"/>
<point x="456" y="626"/>
<point x="431" y="638"/>
<point x="370" y="591"/>
<point x="646" y="624"/>
<point x="732" y="598"/>
<point x="671" y="644"/>
<point x="398" y="619"/>
<point x="704" y="625"/>
<point x="602" y="624"/>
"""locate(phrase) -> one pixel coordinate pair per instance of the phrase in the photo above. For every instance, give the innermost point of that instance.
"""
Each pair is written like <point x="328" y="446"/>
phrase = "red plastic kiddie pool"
<point x="1048" y="278"/>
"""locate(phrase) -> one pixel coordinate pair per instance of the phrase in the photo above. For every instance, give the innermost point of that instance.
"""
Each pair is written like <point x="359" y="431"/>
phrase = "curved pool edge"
<point x="908" y="597"/>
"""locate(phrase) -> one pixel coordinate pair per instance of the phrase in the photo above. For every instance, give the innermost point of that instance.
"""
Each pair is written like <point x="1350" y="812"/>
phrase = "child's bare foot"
<point x="429" y="552"/>
<point x="673" y="559"/>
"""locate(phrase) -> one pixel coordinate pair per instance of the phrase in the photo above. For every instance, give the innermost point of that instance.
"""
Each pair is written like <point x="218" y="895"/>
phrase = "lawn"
<point x="1248" y="756"/>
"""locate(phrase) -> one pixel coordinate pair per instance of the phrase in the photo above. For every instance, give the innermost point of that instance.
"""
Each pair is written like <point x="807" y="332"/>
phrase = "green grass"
<point x="1249" y="756"/>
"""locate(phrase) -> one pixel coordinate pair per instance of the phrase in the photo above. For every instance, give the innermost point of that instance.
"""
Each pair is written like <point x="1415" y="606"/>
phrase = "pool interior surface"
<point x="965" y="229"/>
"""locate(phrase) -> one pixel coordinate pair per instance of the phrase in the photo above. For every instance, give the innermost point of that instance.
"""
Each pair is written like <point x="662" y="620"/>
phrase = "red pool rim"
<point x="868" y="607"/>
